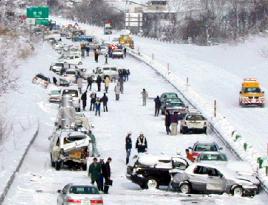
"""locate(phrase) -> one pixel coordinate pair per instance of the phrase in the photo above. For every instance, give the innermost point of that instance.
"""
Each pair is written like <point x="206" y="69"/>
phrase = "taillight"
<point x="96" y="202"/>
<point x="70" y="200"/>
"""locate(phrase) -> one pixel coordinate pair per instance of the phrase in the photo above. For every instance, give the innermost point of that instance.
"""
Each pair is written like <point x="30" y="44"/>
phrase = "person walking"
<point x="107" y="82"/>
<point x="128" y="146"/>
<point x="84" y="100"/>
<point x="102" y="164"/>
<point x="94" y="171"/>
<point x="93" y="97"/>
<point x="141" y="144"/>
<point x="96" y="55"/>
<point x="125" y="51"/>
<point x="106" y="58"/>
<point x="54" y="80"/>
<point x="106" y="172"/>
<point x="157" y="106"/>
<point x="128" y="74"/>
<point x="79" y="84"/>
<point x="89" y="82"/>
<point x="167" y="122"/>
<point x="97" y="107"/>
<point x="174" y="123"/>
<point x="98" y="81"/>
<point x="117" y="91"/>
<point x="104" y="101"/>
<point x="87" y="49"/>
<point x="121" y="82"/>
<point x="144" y="95"/>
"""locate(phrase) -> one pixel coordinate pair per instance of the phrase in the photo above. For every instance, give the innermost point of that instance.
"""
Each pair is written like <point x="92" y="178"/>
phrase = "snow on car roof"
<point x="151" y="160"/>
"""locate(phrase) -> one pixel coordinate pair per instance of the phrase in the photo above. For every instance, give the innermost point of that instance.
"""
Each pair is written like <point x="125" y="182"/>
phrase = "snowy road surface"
<point x="37" y="182"/>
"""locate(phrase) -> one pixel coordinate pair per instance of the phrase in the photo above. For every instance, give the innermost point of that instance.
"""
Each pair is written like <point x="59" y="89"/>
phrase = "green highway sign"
<point x="38" y="12"/>
<point x="44" y="22"/>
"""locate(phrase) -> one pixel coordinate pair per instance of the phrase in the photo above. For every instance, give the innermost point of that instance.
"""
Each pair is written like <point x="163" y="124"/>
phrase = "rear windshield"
<point x="172" y="95"/>
<point x="252" y="90"/>
<point x="73" y="93"/>
<point x="213" y="157"/>
<point x="83" y="190"/>
<point x="195" y="117"/>
<point x="205" y="148"/>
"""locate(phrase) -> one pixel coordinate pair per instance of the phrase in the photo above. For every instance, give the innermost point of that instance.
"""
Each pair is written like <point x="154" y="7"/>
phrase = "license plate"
<point x="86" y="202"/>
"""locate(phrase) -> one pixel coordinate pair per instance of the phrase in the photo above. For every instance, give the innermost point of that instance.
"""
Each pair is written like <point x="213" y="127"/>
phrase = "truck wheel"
<point x="185" y="188"/>
<point x="152" y="183"/>
<point x="184" y="130"/>
<point x="58" y="165"/>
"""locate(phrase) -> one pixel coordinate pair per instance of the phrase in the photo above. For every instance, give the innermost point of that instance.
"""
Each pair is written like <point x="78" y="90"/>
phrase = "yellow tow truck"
<point x="126" y="40"/>
<point x="251" y="93"/>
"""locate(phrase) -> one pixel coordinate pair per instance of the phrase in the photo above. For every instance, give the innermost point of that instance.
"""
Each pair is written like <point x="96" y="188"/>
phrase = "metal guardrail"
<point x="12" y="177"/>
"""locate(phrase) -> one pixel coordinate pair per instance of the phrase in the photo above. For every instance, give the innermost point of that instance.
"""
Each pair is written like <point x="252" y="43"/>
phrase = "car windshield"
<point x="83" y="190"/>
<point x="73" y="93"/>
<point x="171" y="95"/>
<point x="213" y="157"/>
<point x="252" y="90"/>
<point x="195" y="117"/>
<point x="205" y="148"/>
<point x="55" y="92"/>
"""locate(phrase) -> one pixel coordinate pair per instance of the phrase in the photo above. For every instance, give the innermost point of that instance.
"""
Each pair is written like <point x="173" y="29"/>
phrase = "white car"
<point x="117" y="53"/>
<point x="70" y="75"/>
<point x="68" y="147"/>
<point x="107" y="70"/>
<point x="74" y="92"/>
<point x="71" y="59"/>
<point x="54" y="95"/>
<point x="194" y="122"/>
<point x="79" y="194"/>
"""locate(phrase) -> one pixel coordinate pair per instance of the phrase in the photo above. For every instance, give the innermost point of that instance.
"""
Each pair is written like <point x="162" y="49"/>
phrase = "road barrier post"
<point x="168" y="68"/>
<point x="187" y="81"/>
<point x="152" y="56"/>
<point x="215" y="108"/>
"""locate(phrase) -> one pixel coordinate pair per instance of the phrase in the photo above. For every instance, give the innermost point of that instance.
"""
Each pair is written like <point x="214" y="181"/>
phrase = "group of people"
<point x="141" y="145"/>
<point x="172" y="120"/>
<point x="100" y="173"/>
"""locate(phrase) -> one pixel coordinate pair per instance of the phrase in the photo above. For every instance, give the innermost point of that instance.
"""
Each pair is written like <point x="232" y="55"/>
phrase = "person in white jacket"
<point x="117" y="91"/>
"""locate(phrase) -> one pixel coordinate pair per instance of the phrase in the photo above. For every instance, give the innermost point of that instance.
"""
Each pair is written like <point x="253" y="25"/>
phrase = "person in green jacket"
<point x="94" y="171"/>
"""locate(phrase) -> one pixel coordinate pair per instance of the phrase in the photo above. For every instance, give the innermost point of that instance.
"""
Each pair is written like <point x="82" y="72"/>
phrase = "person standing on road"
<point x="94" y="171"/>
<point x="106" y="58"/>
<point x="94" y="144"/>
<point x="141" y="144"/>
<point x="96" y="55"/>
<point x="97" y="107"/>
<point x="121" y="82"/>
<point x="117" y="91"/>
<point x="144" y="96"/>
<point x="128" y="146"/>
<point x="157" y="103"/>
<point x="93" y="97"/>
<point x="107" y="175"/>
<point x="174" y="123"/>
<point x="125" y="51"/>
<point x="167" y="122"/>
<point x="107" y="82"/>
<point x="84" y="100"/>
<point x="98" y="81"/>
<point x="89" y="82"/>
<point x="128" y="74"/>
<point x="104" y="101"/>
<point x="54" y="80"/>
<point x="79" y="83"/>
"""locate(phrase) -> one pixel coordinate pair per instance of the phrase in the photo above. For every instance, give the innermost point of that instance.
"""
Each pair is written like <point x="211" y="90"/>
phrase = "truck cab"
<point x="251" y="93"/>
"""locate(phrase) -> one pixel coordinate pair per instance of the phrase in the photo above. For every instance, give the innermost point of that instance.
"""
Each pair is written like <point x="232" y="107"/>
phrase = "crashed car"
<point x="194" y="122"/>
<point x="150" y="171"/>
<point x="209" y="178"/>
<point x="40" y="79"/>
<point x="71" y="148"/>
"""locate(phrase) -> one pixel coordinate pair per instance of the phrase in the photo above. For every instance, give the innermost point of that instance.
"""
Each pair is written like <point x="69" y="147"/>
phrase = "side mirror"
<point x="59" y="191"/>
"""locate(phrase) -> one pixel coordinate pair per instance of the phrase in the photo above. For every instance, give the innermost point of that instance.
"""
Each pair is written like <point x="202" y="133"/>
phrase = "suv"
<point x="107" y="71"/>
<point x="193" y="122"/>
<point x="150" y="171"/>
<point x="69" y="147"/>
<point x="217" y="178"/>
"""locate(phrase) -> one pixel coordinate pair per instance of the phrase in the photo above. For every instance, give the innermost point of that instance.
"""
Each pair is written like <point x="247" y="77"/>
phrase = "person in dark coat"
<point x="157" y="103"/>
<point x="125" y="51"/>
<point x="106" y="172"/>
<point x="97" y="107"/>
<point x="141" y="144"/>
<point x="102" y="164"/>
<point x="106" y="58"/>
<point x="121" y="82"/>
<point x="167" y="122"/>
<point x="98" y="81"/>
<point x="54" y="80"/>
<point x="128" y="73"/>
<point x="128" y="146"/>
<point x="84" y="100"/>
<point x="87" y="49"/>
<point x="96" y="55"/>
<point x="174" y="123"/>
<point x="104" y="101"/>
<point x="89" y="82"/>
<point x="94" y="171"/>
<point x="93" y="97"/>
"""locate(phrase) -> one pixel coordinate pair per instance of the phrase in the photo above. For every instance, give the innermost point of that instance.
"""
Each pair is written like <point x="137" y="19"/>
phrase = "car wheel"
<point x="184" y="130"/>
<point x="238" y="191"/>
<point x="52" y="162"/>
<point x="84" y="167"/>
<point x="58" y="165"/>
<point x="185" y="188"/>
<point x="152" y="183"/>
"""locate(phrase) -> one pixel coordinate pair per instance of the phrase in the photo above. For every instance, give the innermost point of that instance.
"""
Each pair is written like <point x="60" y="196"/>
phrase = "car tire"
<point x="58" y="165"/>
<point x="52" y="162"/>
<point x="237" y="191"/>
<point x="152" y="183"/>
<point x="84" y="167"/>
<point x="184" y="130"/>
<point x="185" y="188"/>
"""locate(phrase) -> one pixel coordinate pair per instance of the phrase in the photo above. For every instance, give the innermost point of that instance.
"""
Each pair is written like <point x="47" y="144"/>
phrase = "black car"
<point x="150" y="171"/>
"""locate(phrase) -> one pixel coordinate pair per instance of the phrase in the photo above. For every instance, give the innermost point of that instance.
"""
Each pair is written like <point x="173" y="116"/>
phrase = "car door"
<point x="215" y="181"/>
<point x="198" y="178"/>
